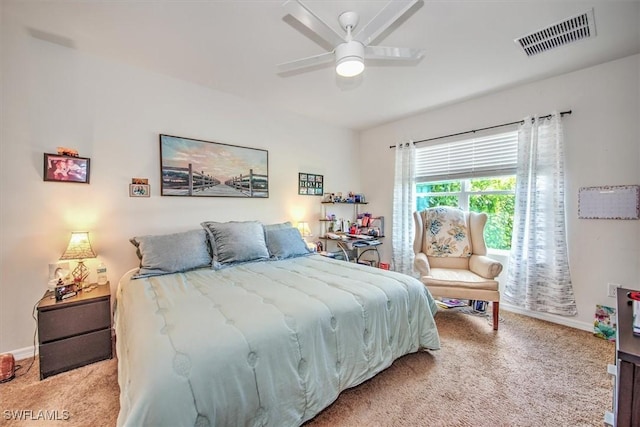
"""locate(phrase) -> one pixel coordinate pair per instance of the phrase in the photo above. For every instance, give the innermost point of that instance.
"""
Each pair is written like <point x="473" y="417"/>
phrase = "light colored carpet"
<point x="529" y="373"/>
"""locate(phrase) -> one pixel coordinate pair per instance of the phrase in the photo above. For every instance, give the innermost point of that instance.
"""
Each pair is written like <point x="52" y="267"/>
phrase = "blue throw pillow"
<point x="285" y="243"/>
<point x="172" y="253"/>
<point x="234" y="242"/>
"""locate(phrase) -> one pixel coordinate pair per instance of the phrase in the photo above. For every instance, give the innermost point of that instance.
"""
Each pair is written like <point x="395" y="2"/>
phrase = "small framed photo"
<point x="66" y="168"/>
<point x="310" y="184"/>
<point x="139" y="190"/>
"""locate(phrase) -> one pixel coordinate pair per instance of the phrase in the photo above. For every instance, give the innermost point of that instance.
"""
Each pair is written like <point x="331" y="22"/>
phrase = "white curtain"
<point x="403" y="207"/>
<point x="538" y="276"/>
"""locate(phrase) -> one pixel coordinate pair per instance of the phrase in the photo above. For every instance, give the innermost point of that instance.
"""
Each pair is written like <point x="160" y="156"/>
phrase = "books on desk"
<point x="357" y="240"/>
<point x="334" y="236"/>
<point x="360" y="236"/>
<point x="327" y="254"/>
<point x="363" y="243"/>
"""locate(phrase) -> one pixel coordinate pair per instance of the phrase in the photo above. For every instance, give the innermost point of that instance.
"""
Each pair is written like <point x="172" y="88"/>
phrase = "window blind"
<point x="481" y="157"/>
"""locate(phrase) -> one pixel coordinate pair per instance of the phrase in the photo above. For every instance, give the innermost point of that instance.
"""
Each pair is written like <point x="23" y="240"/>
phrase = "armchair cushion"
<point x="453" y="277"/>
<point x="446" y="233"/>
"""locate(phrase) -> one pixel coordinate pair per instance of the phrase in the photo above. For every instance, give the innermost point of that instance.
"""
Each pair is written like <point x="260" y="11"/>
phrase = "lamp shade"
<point x="79" y="247"/>
<point x="304" y="229"/>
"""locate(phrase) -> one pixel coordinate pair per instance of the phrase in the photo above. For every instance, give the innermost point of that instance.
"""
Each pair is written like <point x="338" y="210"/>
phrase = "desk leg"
<point x="370" y="250"/>
<point x="344" y="251"/>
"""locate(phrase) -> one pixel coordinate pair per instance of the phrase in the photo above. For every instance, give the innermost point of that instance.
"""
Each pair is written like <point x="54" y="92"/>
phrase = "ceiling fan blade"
<point x="389" y="14"/>
<point x="397" y="53"/>
<point x="299" y="11"/>
<point x="306" y="62"/>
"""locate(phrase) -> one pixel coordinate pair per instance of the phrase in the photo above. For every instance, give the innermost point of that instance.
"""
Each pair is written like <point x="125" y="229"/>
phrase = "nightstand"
<point x="74" y="332"/>
<point x="626" y="392"/>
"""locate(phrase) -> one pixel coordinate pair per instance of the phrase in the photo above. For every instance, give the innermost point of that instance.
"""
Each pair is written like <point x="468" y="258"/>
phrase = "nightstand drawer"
<point x="57" y="323"/>
<point x="71" y="353"/>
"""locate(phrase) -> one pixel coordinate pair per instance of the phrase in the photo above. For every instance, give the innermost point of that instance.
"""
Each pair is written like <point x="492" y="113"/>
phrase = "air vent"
<point x="568" y="31"/>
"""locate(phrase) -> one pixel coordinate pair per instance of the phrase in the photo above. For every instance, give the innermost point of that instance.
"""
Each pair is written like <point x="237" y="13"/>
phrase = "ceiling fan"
<point x="351" y="49"/>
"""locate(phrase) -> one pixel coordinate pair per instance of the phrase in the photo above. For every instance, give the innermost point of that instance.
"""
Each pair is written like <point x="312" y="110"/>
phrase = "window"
<point x="476" y="175"/>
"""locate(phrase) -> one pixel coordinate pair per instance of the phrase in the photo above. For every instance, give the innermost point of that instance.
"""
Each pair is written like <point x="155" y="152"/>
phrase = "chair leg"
<point x="496" y="314"/>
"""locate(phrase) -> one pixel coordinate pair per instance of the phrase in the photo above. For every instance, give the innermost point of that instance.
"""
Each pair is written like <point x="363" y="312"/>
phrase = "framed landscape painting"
<point x="192" y="167"/>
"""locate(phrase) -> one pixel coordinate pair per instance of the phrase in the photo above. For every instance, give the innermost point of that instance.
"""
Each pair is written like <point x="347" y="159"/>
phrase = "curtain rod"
<point x="519" y="122"/>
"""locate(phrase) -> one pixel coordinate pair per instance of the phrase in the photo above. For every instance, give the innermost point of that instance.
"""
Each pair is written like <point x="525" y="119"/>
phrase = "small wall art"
<point x="139" y="187"/>
<point x="310" y="184"/>
<point x="66" y="168"/>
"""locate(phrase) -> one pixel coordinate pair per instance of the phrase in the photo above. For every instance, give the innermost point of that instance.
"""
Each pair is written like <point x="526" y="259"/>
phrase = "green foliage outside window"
<point x="439" y="187"/>
<point x="424" y="202"/>
<point x="433" y="201"/>
<point x="498" y="207"/>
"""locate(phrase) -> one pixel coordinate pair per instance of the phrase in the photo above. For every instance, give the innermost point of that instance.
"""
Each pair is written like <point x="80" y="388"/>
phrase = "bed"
<point x="269" y="341"/>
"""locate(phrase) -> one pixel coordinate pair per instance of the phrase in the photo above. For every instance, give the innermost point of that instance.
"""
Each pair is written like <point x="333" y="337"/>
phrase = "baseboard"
<point x="553" y="318"/>
<point x="23" y="353"/>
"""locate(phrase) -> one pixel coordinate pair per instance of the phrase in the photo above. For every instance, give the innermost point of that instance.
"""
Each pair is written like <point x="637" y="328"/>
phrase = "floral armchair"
<point x="450" y="255"/>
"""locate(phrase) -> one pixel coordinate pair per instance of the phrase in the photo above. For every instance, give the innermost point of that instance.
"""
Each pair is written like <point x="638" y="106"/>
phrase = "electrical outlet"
<point x="612" y="290"/>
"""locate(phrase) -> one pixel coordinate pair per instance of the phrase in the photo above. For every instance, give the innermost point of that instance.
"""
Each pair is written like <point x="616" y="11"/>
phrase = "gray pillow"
<point x="172" y="253"/>
<point x="234" y="242"/>
<point x="268" y="227"/>
<point x="285" y="243"/>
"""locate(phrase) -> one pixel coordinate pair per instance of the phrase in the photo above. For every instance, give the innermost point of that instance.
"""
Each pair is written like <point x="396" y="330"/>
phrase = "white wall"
<point x="112" y="113"/>
<point x="602" y="140"/>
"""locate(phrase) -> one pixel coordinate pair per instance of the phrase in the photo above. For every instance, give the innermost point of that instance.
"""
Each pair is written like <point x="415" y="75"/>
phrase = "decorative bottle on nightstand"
<point x="102" y="274"/>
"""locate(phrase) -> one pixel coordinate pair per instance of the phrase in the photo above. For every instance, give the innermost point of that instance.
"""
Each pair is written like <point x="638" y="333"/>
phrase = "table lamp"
<point x="79" y="248"/>
<point x="305" y="231"/>
<point x="303" y="228"/>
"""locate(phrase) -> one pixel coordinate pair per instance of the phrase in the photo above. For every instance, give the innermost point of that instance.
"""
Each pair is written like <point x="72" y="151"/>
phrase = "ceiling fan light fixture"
<point x="349" y="59"/>
<point x="349" y="67"/>
<point x="351" y="47"/>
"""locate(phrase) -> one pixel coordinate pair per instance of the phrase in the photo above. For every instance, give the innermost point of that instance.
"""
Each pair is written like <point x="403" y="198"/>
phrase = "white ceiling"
<point x="234" y="46"/>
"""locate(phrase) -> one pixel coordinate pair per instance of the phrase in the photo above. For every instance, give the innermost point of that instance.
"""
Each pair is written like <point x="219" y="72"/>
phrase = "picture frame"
<point x="60" y="168"/>
<point x="198" y="168"/>
<point x="328" y="198"/>
<point x="609" y="202"/>
<point x="139" y="190"/>
<point x="310" y="184"/>
<point x="60" y="270"/>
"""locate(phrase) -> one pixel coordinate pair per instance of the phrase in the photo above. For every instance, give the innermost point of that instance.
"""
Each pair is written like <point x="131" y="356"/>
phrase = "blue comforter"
<point x="266" y="343"/>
